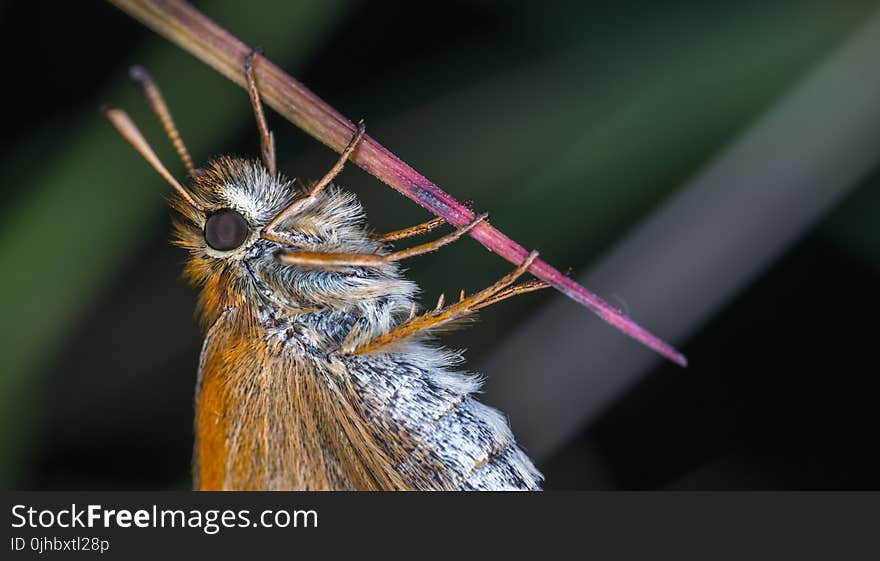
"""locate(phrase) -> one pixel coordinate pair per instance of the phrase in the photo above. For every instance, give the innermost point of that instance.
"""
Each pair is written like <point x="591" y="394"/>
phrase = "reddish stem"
<point x="193" y="31"/>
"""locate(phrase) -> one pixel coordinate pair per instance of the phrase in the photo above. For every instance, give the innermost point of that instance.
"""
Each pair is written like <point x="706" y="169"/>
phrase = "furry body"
<point x="279" y="405"/>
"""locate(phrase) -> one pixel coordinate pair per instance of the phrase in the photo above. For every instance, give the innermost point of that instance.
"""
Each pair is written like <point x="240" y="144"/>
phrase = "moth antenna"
<point x="297" y="205"/>
<point x="440" y="301"/>
<point x="129" y="131"/>
<point x="157" y="103"/>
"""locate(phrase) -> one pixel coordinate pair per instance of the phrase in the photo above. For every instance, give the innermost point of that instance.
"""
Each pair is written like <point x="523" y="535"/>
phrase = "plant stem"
<point x="182" y="24"/>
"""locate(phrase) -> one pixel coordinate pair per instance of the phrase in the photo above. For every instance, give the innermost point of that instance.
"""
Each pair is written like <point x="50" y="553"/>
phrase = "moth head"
<point x="233" y="209"/>
<point x="233" y="200"/>
<point x="235" y="215"/>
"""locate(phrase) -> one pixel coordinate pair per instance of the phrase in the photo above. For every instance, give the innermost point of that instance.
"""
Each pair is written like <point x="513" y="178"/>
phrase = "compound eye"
<point x="226" y="230"/>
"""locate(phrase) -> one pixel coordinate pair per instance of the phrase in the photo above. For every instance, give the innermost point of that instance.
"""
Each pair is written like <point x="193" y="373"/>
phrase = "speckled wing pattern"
<point x="395" y="421"/>
<point x="390" y="421"/>
<point x="441" y="436"/>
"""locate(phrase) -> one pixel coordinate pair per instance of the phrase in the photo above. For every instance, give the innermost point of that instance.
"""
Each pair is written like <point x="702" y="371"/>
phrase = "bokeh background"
<point x="710" y="167"/>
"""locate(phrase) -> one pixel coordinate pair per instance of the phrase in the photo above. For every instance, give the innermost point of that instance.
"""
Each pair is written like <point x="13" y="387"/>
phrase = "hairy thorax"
<point x="286" y="396"/>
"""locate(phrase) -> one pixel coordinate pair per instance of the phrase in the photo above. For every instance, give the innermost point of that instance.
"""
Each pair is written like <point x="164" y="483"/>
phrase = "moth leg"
<point x="340" y="162"/>
<point x="410" y="232"/>
<point x="413" y="231"/>
<point x="513" y="290"/>
<point x="269" y="231"/>
<point x="341" y="260"/>
<point x="502" y="289"/>
<point x="267" y="141"/>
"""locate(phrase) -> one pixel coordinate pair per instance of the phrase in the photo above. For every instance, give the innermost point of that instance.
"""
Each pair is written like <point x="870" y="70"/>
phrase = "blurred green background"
<point x="572" y="122"/>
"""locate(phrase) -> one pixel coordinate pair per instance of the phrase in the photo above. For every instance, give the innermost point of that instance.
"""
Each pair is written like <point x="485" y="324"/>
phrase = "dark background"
<point x="572" y="122"/>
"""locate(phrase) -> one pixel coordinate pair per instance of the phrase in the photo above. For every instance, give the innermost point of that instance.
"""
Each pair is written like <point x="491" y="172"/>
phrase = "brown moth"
<point x="316" y="372"/>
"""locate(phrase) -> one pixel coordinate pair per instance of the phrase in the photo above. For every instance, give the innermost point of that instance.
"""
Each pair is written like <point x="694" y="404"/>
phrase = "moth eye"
<point x="225" y="230"/>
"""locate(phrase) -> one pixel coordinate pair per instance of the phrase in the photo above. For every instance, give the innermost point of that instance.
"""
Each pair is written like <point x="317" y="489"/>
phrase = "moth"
<point x="317" y="372"/>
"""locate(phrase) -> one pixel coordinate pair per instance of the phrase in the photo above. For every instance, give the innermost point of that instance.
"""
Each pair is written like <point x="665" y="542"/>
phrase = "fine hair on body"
<point x="316" y="373"/>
